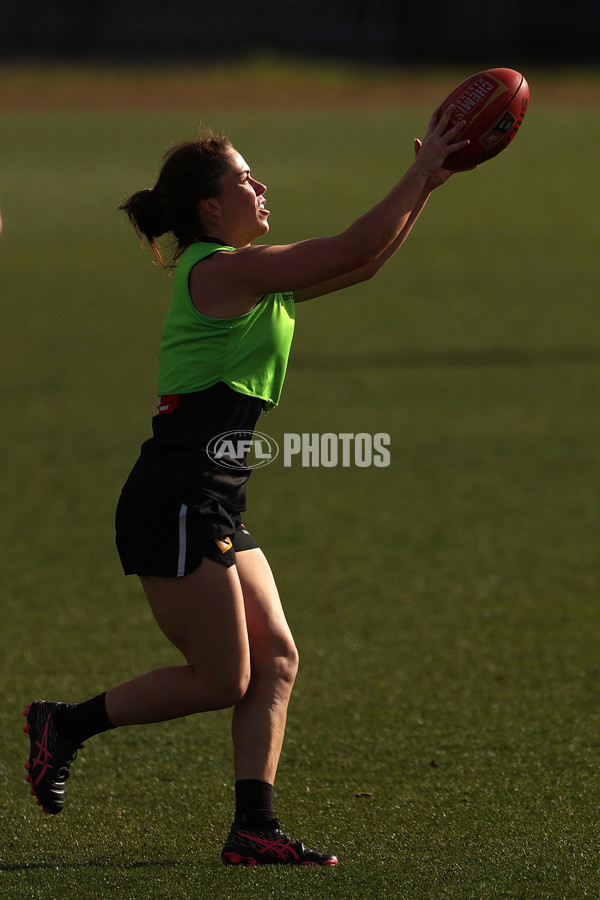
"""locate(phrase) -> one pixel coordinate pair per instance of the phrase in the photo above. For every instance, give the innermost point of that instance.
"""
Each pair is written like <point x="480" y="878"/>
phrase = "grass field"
<point x="446" y="608"/>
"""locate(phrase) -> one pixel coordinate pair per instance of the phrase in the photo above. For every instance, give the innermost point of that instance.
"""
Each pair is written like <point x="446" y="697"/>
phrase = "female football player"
<point x="222" y="361"/>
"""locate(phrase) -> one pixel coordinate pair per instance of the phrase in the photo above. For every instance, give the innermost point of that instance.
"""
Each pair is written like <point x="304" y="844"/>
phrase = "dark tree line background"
<point x="498" y="32"/>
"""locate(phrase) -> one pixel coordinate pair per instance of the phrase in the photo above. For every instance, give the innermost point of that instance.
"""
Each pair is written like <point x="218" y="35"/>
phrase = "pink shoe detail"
<point x="278" y="847"/>
<point x="44" y="754"/>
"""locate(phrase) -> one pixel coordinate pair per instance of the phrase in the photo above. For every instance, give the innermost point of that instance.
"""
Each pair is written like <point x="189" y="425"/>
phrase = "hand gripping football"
<point x="493" y="103"/>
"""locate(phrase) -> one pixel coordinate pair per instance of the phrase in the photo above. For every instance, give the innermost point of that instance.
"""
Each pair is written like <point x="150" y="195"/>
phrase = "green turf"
<point x="445" y="608"/>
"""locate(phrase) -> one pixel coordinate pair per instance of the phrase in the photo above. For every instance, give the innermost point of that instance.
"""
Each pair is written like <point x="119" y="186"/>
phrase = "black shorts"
<point x="166" y="531"/>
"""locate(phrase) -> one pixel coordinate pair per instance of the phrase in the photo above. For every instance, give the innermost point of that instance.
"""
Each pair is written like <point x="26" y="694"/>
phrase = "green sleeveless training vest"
<point x="249" y="353"/>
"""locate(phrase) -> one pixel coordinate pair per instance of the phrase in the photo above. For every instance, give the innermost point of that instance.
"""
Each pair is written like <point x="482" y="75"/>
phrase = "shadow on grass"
<point x="447" y="358"/>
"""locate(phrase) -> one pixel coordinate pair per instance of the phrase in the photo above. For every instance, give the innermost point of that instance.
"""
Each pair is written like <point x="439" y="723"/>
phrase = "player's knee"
<point x="293" y="662"/>
<point x="276" y="664"/>
<point x="233" y="686"/>
<point x="285" y="664"/>
<point x="227" y="686"/>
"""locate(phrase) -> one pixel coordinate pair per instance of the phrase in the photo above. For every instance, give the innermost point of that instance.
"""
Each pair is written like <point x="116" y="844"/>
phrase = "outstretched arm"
<point x="251" y="271"/>
<point x="364" y="273"/>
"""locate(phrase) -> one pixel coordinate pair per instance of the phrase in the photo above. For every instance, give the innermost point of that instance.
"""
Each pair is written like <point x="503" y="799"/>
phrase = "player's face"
<point x="242" y="203"/>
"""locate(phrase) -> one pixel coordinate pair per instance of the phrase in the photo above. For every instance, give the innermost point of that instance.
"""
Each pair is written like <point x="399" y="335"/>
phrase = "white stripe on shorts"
<point x="182" y="540"/>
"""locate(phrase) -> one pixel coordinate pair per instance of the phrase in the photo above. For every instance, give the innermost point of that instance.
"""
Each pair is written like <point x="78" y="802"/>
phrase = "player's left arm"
<point x="367" y="272"/>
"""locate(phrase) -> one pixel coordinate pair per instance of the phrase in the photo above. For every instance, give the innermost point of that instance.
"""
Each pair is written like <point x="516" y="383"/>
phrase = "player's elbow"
<point x="356" y="249"/>
<point x="364" y="251"/>
<point x="365" y="273"/>
<point x="368" y="261"/>
<point x="370" y="269"/>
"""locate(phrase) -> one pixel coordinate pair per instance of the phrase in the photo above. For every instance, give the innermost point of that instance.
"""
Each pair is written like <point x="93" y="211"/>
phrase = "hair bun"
<point x="146" y="211"/>
<point x="190" y="172"/>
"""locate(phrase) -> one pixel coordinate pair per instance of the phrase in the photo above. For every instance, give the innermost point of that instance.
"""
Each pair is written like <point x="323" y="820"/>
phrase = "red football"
<point x="494" y="104"/>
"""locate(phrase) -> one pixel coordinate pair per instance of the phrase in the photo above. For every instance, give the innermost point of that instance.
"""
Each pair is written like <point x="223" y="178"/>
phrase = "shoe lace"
<point x="63" y="772"/>
<point x="276" y="829"/>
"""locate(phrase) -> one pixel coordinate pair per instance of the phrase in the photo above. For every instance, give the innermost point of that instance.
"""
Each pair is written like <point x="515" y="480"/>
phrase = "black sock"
<point x="253" y="802"/>
<point x="82" y="720"/>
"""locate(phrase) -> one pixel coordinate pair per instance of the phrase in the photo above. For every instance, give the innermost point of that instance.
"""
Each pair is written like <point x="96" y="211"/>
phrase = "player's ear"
<point x="211" y="206"/>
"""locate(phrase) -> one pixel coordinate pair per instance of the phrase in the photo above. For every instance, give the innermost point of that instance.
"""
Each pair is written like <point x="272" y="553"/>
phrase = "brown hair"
<point x="190" y="171"/>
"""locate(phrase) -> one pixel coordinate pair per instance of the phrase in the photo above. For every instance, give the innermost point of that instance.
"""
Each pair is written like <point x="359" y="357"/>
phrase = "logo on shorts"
<point x="224" y="544"/>
<point x="233" y="449"/>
